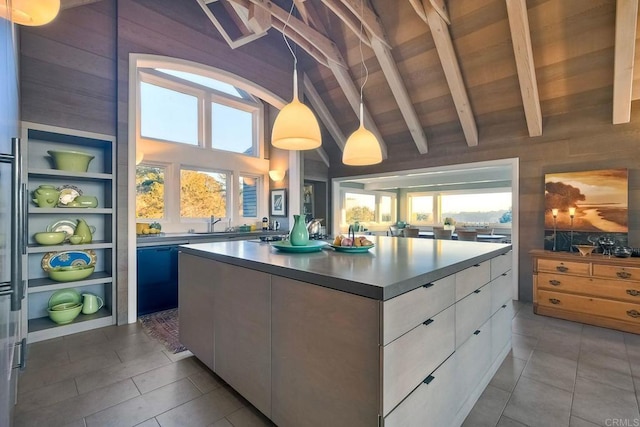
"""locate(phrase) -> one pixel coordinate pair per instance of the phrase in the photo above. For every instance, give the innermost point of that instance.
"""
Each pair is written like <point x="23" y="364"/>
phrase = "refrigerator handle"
<point x="22" y="358"/>
<point x="17" y="226"/>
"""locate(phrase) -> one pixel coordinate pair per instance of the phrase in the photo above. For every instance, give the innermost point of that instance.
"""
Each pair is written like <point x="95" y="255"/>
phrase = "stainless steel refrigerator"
<point x="11" y="223"/>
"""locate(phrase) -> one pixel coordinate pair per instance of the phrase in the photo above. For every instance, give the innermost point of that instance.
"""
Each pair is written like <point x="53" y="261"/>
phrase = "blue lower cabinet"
<point x="157" y="279"/>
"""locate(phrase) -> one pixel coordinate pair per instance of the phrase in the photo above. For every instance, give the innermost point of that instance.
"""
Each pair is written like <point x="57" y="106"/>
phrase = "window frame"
<point x="167" y="173"/>
<point x="259" y="185"/>
<point x="378" y="215"/>
<point x="228" y="190"/>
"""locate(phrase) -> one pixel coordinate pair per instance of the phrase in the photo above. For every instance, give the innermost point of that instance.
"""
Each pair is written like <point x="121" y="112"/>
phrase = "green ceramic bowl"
<point x="65" y="306"/>
<point x="71" y="274"/>
<point x="52" y="238"/>
<point x="62" y="317"/>
<point x="73" y="161"/>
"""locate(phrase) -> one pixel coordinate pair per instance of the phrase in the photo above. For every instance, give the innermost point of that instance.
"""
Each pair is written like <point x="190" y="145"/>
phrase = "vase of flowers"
<point x="449" y="224"/>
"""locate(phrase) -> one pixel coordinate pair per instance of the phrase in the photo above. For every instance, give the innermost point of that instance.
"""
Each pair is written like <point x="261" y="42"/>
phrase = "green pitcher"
<point x="82" y="229"/>
<point x="299" y="236"/>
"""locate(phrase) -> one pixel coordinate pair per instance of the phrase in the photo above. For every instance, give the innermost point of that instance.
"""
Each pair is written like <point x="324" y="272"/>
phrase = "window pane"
<point x="168" y="115"/>
<point x="248" y="197"/>
<point x="232" y="129"/>
<point x="478" y="208"/>
<point x="359" y="207"/>
<point x="385" y="209"/>
<point x="203" y="194"/>
<point x="420" y="209"/>
<point x="204" y="81"/>
<point x="149" y="192"/>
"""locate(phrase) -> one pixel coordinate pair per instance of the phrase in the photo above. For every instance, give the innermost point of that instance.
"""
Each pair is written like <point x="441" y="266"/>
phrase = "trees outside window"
<point x="203" y="194"/>
<point x="150" y="201"/>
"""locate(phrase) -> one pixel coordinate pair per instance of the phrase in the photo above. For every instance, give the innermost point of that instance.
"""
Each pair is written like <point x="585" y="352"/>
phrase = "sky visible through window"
<point x="168" y="115"/>
<point x="231" y="129"/>
<point x="204" y="81"/>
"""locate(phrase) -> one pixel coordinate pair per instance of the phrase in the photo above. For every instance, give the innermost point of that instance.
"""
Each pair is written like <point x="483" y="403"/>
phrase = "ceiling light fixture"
<point x="30" y="12"/>
<point x="295" y="127"/>
<point x="362" y="147"/>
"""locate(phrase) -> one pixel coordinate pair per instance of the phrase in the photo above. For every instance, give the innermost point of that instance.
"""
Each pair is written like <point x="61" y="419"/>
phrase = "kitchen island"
<point x="408" y="334"/>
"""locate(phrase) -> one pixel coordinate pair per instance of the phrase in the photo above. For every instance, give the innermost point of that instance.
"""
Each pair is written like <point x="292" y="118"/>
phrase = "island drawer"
<point x="410" y="358"/>
<point x="471" y="312"/>
<point x="567" y="267"/>
<point x="501" y="291"/>
<point x="500" y="265"/>
<point x="501" y="329"/>
<point x="472" y="278"/>
<point x="616" y="272"/>
<point x="406" y="311"/>
<point x="595" y="306"/>
<point x="432" y="404"/>
<point x="473" y="360"/>
<point x="604" y="288"/>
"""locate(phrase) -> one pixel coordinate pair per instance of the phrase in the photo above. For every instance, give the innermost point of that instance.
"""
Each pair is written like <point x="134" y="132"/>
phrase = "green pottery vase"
<point x="299" y="236"/>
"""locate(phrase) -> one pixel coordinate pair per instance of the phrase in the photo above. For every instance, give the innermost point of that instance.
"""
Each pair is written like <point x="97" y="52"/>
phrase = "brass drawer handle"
<point x="562" y="268"/>
<point x="554" y="282"/>
<point x="633" y="292"/>
<point x="633" y="313"/>
<point x="554" y="301"/>
<point x="623" y="274"/>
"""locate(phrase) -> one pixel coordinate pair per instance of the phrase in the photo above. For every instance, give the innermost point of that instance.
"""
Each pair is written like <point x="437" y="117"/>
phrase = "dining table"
<point x="495" y="238"/>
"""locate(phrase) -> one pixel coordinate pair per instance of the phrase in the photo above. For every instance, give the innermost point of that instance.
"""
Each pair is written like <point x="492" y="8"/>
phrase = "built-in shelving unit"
<point x="99" y="181"/>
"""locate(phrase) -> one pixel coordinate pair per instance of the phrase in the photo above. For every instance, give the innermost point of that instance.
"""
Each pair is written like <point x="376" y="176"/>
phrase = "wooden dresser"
<point x="593" y="289"/>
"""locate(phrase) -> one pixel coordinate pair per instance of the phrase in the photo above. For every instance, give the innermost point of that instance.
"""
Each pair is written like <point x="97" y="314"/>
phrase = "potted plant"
<point x="449" y="224"/>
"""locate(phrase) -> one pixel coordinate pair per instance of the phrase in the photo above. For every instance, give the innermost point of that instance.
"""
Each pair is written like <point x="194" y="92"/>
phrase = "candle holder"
<point x="554" y="213"/>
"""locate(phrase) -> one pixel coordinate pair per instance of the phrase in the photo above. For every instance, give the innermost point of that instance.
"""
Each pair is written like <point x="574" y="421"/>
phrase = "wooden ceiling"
<point x="449" y="73"/>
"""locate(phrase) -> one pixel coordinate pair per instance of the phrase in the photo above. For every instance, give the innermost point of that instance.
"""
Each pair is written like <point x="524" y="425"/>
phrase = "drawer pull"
<point x="504" y="305"/>
<point x="633" y="292"/>
<point x="554" y="301"/>
<point x="633" y="313"/>
<point x="428" y="285"/>
<point x="623" y="274"/>
<point x="476" y="265"/>
<point x="562" y="268"/>
<point x="477" y="332"/>
<point x="503" y="274"/>
<point x="429" y="379"/>
<point x="477" y="291"/>
<point x="554" y="282"/>
<point x="427" y="322"/>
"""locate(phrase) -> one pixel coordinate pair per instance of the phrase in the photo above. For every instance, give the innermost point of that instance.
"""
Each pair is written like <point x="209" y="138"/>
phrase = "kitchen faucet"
<point x="212" y="222"/>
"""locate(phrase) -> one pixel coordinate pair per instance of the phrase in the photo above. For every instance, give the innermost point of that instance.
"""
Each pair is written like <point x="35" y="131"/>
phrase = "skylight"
<point x="204" y="81"/>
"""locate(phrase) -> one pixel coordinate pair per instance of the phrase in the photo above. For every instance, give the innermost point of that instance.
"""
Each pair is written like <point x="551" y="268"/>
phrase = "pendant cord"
<point x="284" y="36"/>
<point x="363" y="65"/>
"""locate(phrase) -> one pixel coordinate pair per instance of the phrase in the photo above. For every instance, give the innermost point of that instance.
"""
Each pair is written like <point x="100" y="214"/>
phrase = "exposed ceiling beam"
<point x="323" y="155"/>
<point x="302" y="8"/>
<point x="231" y="42"/>
<point x="381" y="48"/>
<point x="323" y="112"/>
<point x="626" y="22"/>
<point x="449" y="61"/>
<point x="349" y="19"/>
<point x="521" y="38"/>
<point x="441" y="8"/>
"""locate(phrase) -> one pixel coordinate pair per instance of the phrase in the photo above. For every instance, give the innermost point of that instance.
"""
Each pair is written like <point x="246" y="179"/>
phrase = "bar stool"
<point x="441" y="234"/>
<point x="411" y="232"/>
<point x="468" y="236"/>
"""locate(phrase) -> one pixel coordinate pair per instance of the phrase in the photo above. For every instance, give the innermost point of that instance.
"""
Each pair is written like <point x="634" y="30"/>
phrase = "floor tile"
<point x="522" y="346"/>
<point x="83" y="339"/>
<point x="552" y="370"/>
<point x="560" y="342"/>
<point x="597" y="402"/>
<point x="120" y="371"/>
<point x="47" y="395"/>
<point x="221" y="423"/>
<point x="118" y="343"/>
<point x="564" y="325"/>
<point x="79" y="406"/>
<point x="487" y="409"/>
<point x="135" y="352"/>
<point x="539" y="405"/>
<point x="579" y="422"/>
<point x="508" y="374"/>
<point x="508" y="422"/>
<point x="248" y="417"/>
<point x="112" y="332"/>
<point x="135" y="411"/>
<point x="149" y="423"/>
<point x="204" y="410"/>
<point x="527" y="311"/>
<point x="206" y="381"/>
<point x="166" y="374"/>
<point x="604" y="347"/>
<point x="174" y="357"/>
<point x="607" y="370"/>
<point x="525" y="325"/>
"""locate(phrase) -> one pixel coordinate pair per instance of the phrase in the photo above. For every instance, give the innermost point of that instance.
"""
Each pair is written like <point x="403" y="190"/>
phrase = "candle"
<point x="554" y="212"/>
<point x="572" y="211"/>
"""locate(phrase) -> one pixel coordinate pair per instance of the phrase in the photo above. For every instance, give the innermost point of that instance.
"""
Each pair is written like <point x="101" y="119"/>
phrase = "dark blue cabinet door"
<point x="157" y="279"/>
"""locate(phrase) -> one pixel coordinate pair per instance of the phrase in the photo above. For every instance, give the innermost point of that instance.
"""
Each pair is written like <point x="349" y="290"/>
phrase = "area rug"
<point x="164" y="326"/>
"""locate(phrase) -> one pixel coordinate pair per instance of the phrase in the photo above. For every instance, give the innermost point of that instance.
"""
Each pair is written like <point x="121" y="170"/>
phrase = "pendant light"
<point x="30" y="12"/>
<point x="295" y="127"/>
<point x="362" y="147"/>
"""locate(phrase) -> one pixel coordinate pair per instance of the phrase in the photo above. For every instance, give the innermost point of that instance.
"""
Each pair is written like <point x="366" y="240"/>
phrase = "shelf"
<point x="40" y="249"/>
<point x="44" y="328"/>
<point x="87" y="211"/>
<point x="45" y="284"/>
<point x="55" y="173"/>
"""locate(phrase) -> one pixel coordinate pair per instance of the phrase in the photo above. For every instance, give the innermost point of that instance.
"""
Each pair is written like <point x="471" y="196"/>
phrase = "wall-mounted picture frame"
<point x="279" y="202"/>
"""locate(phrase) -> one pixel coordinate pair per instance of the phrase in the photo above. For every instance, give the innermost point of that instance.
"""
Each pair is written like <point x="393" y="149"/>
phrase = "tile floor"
<point x="558" y="374"/>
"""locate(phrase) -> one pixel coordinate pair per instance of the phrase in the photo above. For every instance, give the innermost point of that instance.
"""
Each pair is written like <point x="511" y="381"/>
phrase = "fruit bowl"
<point x="584" y="249"/>
<point x="71" y="273"/>
<point x="64" y="315"/>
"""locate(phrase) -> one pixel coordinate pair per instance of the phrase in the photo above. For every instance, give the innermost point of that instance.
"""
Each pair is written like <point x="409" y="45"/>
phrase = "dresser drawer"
<point x="500" y="264"/>
<point x="606" y="288"/>
<point x="590" y="305"/>
<point x="406" y="311"/>
<point x="472" y="278"/>
<point x="501" y="290"/>
<point x="409" y="359"/>
<point x="471" y="312"/>
<point x="433" y="404"/>
<point x="616" y="272"/>
<point x="568" y="267"/>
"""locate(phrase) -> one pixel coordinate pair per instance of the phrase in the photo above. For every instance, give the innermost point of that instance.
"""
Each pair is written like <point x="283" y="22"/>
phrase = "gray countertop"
<point x="394" y="266"/>
<point x="186" y="238"/>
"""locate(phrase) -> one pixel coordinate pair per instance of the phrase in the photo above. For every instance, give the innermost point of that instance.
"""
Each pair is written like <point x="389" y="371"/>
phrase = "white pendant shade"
<point x="296" y="128"/>
<point x="361" y="149"/>
<point x="31" y="12"/>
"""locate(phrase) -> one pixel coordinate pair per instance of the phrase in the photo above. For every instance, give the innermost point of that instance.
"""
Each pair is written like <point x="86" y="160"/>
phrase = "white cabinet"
<point x="98" y="181"/>
<point x="473" y="359"/>
<point x="471" y="312"/>
<point x="472" y="278"/>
